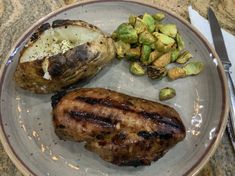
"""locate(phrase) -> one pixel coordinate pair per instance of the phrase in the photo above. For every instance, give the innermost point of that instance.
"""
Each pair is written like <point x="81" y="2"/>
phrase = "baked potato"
<point x="62" y="53"/>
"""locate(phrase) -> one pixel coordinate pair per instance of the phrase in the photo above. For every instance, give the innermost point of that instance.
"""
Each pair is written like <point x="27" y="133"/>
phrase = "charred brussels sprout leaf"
<point x="166" y="93"/>
<point x="127" y="33"/>
<point x="154" y="72"/>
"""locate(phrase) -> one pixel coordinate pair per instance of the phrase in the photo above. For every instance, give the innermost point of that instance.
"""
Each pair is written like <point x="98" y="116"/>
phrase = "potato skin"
<point x="80" y="62"/>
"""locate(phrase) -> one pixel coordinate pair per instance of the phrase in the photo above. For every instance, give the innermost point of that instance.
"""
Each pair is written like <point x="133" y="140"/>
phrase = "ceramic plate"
<point x="27" y="133"/>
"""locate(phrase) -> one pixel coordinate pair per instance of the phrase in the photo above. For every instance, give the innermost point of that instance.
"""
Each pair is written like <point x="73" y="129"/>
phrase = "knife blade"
<point x="220" y="48"/>
<point x="218" y="39"/>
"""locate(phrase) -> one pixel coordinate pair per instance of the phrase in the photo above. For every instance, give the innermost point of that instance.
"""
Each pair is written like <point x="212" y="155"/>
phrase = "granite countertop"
<point x="16" y="16"/>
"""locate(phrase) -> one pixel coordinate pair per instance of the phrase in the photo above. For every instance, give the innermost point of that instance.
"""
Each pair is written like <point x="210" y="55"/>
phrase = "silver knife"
<point x="220" y="48"/>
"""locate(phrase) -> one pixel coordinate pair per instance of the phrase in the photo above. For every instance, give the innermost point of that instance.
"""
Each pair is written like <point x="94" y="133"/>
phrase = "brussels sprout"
<point x="122" y="48"/>
<point x="127" y="33"/>
<point x="163" y="60"/>
<point x="184" y="57"/>
<point x="159" y="16"/>
<point x="140" y="26"/>
<point x="145" y="53"/>
<point x="166" y="93"/>
<point x="154" y="55"/>
<point x="137" y="69"/>
<point x="132" y="20"/>
<point x="179" y="41"/>
<point x="174" y="55"/>
<point x="164" y="38"/>
<point x="168" y="29"/>
<point x="146" y="38"/>
<point x="149" y="21"/>
<point x="193" y="68"/>
<point x="133" y="54"/>
<point x="164" y="43"/>
<point x="176" y="72"/>
<point x="154" y="72"/>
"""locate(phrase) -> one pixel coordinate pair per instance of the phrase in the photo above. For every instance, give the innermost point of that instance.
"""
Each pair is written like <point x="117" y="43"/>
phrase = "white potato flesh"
<point x="58" y="40"/>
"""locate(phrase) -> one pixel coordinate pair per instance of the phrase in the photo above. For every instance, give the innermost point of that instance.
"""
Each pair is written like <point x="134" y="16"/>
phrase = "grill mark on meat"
<point x="91" y="117"/>
<point x="155" y="134"/>
<point x="124" y="107"/>
<point x="105" y="102"/>
<point x="161" y="119"/>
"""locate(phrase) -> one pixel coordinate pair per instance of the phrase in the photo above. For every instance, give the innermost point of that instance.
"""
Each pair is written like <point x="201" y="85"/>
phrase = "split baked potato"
<point x="62" y="53"/>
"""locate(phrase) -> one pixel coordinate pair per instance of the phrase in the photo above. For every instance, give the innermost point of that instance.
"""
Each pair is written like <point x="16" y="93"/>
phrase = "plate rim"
<point x="20" y="164"/>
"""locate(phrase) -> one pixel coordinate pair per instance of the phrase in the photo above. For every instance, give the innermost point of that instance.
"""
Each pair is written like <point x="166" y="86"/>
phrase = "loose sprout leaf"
<point x="193" y="68"/>
<point x="180" y="42"/>
<point x="184" y="57"/>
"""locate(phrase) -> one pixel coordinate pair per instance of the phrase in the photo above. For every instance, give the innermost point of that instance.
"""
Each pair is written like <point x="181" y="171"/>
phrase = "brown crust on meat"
<point x="122" y="129"/>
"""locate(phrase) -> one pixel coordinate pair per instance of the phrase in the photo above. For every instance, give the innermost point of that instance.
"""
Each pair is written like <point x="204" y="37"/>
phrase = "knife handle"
<point x="232" y="102"/>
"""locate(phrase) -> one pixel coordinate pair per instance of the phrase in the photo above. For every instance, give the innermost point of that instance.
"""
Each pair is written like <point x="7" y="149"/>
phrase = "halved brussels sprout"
<point x="163" y="60"/>
<point x="140" y="26"/>
<point x="149" y="21"/>
<point x="154" y="55"/>
<point x="184" y="57"/>
<point x="167" y="93"/>
<point x="127" y="33"/>
<point x="159" y="16"/>
<point x="122" y="48"/>
<point x="145" y="53"/>
<point x="133" y="54"/>
<point x="164" y="43"/>
<point x="146" y="38"/>
<point x="168" y="29"/>
<point x="176" y="72"/>
<point x="137" y="69"/>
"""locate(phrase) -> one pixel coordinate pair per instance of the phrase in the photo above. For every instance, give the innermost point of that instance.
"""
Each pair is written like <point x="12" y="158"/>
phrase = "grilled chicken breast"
<point x="121" y="129"/>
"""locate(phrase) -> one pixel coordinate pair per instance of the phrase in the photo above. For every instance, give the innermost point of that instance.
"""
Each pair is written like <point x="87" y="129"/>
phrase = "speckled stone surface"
<point x="17" y="15"/>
